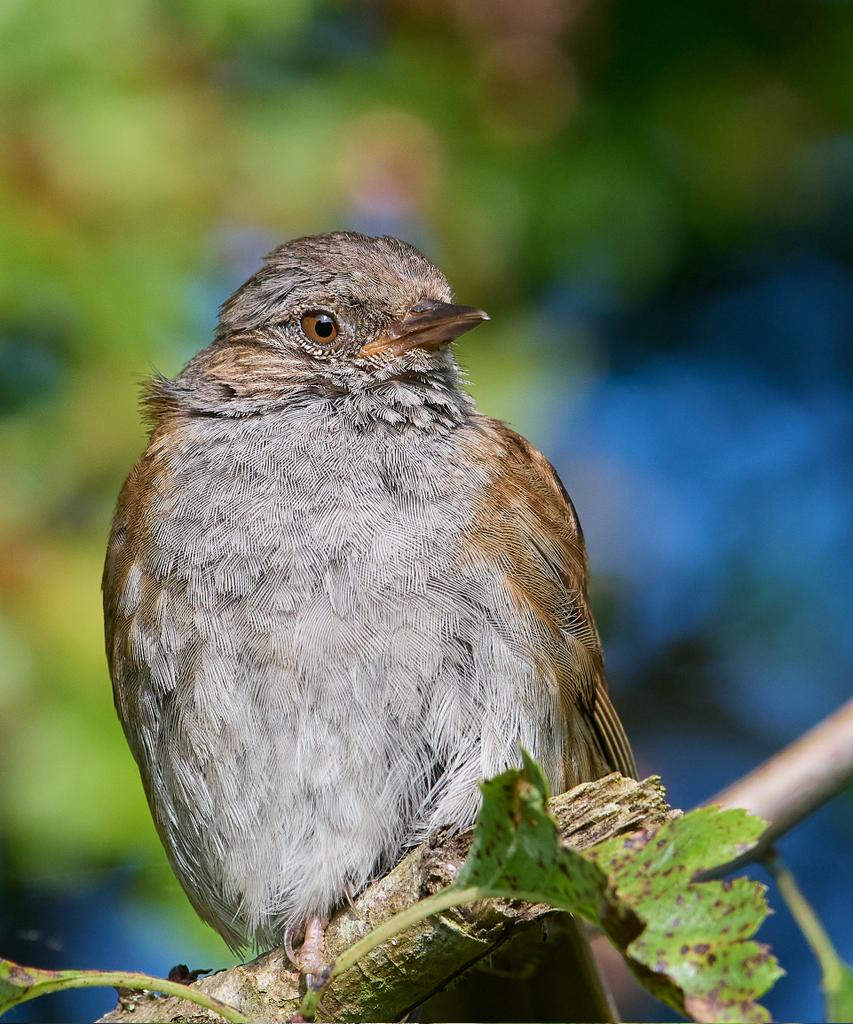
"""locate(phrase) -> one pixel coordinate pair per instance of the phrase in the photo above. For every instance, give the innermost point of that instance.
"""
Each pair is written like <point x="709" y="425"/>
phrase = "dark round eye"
<point x="320" y="327"/>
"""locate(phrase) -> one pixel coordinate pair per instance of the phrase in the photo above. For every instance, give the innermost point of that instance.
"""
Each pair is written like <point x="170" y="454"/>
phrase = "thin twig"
<point x="808" y="922"/>
<point x="792" y="784"/>
<point x="45" y="982"/>
<point x="436" y="904"/>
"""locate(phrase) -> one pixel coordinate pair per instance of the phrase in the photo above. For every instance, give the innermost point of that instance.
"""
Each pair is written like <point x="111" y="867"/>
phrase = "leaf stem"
<point x="444" y="900"/>
<point x="808" y="922"/>
<point x="60" y="980"/>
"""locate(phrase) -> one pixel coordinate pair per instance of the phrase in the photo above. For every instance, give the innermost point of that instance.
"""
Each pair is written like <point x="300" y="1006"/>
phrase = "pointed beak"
<point x="428" y="324"/>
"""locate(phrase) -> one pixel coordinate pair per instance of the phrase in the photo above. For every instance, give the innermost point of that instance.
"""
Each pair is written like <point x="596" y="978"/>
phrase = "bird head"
<point x="349" y="300"/>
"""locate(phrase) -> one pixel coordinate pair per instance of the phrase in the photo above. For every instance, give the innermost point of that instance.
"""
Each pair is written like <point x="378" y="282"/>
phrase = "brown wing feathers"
<point x="532" y="529"/>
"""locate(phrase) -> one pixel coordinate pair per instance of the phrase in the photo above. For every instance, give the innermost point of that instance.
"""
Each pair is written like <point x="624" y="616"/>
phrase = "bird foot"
<point x="310" y="958"/>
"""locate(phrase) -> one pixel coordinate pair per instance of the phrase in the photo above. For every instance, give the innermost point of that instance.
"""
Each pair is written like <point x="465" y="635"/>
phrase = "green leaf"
<point x="516" y="852"/>
<point x="19" y="984"/>
<point x="688" y="942"/>
<point x="694" y="951"/>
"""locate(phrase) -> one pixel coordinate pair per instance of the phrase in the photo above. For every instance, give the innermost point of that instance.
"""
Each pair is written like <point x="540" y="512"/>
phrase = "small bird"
<point x="337" y="596"/>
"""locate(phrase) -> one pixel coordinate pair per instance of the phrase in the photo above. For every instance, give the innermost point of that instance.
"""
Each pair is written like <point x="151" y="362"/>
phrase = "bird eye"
<point x="319" y="327"/>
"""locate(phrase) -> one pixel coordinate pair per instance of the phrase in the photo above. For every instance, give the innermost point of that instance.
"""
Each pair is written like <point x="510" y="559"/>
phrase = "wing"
<point x="529" y="527"/>
<point x="141" y="637"/>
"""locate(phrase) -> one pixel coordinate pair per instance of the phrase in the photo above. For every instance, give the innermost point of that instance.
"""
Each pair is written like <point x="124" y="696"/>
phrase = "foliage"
<point x="694" y="950"/>
<point x="686" y="940"/>
<point x="689" y="942"/>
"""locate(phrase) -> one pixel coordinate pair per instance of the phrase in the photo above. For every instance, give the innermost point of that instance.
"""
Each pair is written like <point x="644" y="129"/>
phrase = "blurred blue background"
<point x="653" y="201"/>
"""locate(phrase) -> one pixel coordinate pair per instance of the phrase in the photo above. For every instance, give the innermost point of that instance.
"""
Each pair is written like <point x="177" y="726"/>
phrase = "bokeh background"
<point x="655" y="203"/>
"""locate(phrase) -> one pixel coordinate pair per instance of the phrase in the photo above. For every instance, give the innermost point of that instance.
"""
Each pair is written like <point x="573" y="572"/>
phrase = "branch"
<point x="795" y="782"/>
<point x="406" y="970"/>
<point x="410" y="967"/>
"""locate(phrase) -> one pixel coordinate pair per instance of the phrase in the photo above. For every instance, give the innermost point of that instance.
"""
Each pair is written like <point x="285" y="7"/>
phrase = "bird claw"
<point x="309" y="959"/>
<point x="289" y="934"/>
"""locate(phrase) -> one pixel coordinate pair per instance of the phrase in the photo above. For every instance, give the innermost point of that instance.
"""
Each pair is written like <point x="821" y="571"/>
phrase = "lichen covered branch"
<point x="406" y="970"/>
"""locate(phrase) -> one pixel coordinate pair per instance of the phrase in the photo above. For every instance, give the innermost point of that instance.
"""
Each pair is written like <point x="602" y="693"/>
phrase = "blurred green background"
<point x="654" y="202"/>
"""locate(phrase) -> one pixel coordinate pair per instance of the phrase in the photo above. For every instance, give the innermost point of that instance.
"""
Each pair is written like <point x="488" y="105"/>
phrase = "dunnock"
<point x="337" y="596"/>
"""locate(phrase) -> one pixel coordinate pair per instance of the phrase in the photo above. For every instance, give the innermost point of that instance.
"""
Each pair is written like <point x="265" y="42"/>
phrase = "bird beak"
<point x="428" y="325"/>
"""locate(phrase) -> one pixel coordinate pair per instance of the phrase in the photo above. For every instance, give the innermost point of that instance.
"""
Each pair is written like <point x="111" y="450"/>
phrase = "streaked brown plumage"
<point x="529" y="525"/>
